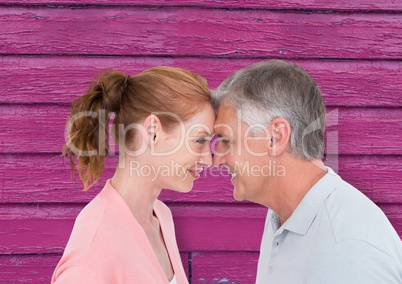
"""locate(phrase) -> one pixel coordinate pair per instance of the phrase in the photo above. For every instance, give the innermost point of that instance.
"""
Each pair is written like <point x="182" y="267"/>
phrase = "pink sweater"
<point x="107" y="245"/>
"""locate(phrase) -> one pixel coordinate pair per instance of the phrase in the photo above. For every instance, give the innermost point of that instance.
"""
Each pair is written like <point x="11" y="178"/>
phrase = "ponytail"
<point x="89" y="119"/>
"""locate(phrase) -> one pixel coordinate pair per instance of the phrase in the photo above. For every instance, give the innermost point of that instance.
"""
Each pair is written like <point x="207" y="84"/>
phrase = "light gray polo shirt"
<point x="336" y="235"/>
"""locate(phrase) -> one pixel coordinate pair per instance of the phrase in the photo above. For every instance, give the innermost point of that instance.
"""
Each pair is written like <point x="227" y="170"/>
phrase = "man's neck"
<point x="288" y="191"/>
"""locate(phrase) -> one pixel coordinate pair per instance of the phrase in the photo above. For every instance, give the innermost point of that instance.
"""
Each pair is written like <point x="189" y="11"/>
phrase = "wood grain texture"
<point x="38" y="178"/>
<point x="199" y="32"/>
<point x="60" y="80"/>
<point x="46" y="178"/>
<point x="38" y="268"/>
<point x="42" y="128"/>
<point x="51" y="49"/>
<point x="43" y="228"/>
<point x="224" y="267"/>
<point x="344" y="5"/>
<point x="219" y="227"/>
<point x="33" y="229"/>
<point x="394" y="214"/>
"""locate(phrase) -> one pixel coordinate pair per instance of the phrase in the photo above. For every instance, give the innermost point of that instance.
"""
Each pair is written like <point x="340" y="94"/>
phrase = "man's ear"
<point x="280" y="136"/>
<point x="152" y="129"/>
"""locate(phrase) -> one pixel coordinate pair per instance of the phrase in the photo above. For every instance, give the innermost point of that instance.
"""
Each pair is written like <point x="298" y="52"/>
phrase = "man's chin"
<point x="237" y="195"/>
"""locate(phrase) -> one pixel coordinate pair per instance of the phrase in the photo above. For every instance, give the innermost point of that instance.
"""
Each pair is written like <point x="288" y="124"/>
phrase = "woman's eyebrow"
<point x="205" y="133"/>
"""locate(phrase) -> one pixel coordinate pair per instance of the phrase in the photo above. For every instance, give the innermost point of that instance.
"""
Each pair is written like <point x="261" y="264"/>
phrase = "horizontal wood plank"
<point x="199" y="32"/>
<point x="34" y="229"/>
<point x="27" y="268"/>
<point x="27" y="179"/>
<point x="60" y="80"/>
<point x="38" y="268"/>
<point x="46" y="228"/>
<point x="231" y="227"/>
<point x="46" y="178"/>
<point x="224" y="267"/>
<point x="42" y="130"/>
<point x="343" y="5"/>
<point x="394" y="215"/>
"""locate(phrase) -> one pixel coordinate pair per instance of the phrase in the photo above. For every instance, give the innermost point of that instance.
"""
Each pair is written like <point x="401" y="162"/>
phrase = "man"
<point x="319" y="228"/>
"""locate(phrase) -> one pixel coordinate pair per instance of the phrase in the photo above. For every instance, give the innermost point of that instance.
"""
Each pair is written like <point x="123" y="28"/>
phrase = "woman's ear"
<point x="152" y="129"/>
<point x="280" y="136"/>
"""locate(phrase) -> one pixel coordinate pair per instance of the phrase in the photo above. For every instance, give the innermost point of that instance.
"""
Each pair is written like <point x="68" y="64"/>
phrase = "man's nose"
<point x="207" y="159"/>
<point x="219" y="159"/>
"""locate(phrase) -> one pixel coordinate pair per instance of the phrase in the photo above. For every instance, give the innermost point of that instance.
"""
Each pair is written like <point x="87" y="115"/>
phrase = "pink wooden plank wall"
<point x="51" y="49"/>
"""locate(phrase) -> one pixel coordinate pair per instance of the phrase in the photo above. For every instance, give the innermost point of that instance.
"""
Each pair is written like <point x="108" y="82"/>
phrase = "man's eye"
<point x="224" y="141"/>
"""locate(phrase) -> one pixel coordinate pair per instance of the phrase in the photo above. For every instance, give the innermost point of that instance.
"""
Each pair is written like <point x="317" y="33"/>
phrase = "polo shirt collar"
<point x="302" y="218"/>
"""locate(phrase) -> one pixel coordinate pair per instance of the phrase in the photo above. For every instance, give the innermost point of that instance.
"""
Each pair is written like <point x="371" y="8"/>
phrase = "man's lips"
<point x="232" y="172"/>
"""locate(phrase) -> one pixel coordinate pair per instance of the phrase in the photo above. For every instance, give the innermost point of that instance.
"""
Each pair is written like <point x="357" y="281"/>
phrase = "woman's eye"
<point x="201" y="140"/>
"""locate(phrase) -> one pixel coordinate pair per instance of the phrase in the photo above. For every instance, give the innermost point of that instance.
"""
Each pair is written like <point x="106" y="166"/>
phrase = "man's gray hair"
<point x="271" y="89"/>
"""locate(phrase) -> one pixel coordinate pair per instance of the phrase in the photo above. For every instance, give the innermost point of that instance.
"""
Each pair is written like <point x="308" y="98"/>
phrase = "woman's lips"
<point x="195" y="172"/>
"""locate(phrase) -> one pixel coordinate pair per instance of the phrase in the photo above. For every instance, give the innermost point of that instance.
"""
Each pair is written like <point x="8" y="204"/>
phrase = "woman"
<point x="163" y="124"/>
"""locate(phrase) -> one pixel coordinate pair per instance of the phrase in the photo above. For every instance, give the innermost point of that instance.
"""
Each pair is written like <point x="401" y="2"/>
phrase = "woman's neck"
<point x="138" y="192"/>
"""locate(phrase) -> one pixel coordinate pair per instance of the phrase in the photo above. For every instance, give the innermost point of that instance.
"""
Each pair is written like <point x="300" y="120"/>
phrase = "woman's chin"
<point x="187" y="187"/>
<point x="182" y="186"/>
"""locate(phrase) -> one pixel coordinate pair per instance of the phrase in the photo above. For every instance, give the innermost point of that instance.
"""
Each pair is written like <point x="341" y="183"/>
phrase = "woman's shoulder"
<point x="87" y="222"/>
<point x="73" y="274"/>
<point x="162" y="208"/>
<point x="92" y="213"/>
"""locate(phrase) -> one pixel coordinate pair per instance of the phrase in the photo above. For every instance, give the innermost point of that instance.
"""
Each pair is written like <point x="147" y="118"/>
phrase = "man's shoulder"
<point x="349" y="206"/>
<point x="351" y="201"/>
<point x="353" y="216"/>
<point x="357" y="261"/>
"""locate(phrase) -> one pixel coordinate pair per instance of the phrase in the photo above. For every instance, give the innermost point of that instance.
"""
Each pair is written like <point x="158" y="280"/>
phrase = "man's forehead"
<point x="226" y="113"/>
<point x="226" y="118"/>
